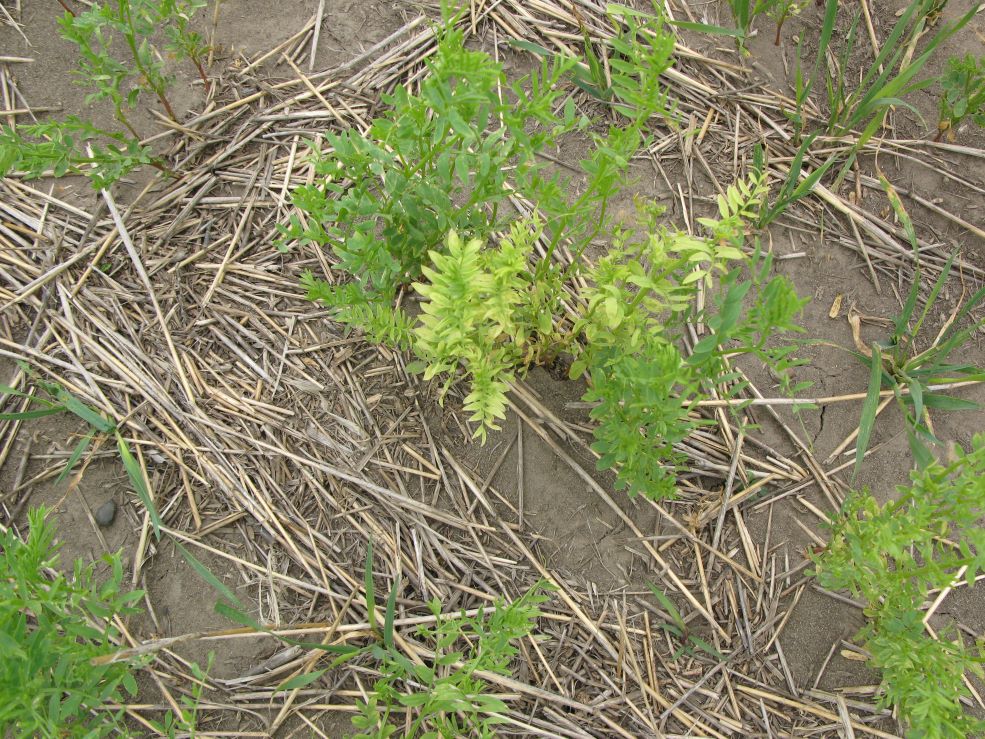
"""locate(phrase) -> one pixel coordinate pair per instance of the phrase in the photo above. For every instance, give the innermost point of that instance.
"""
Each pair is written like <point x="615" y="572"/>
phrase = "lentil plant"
<point x="892" y="557"/>
<point x="51" y="628"/>
<point x="77" y="146"/>
<point x="421" y="204"/>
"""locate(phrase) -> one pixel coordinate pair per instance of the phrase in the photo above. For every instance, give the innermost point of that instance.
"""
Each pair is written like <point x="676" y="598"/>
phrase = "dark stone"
<point x="106" y="513"/>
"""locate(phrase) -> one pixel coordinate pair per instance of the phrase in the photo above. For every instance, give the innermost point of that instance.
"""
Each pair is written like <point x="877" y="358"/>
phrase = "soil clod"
<point x="106" y="513"/>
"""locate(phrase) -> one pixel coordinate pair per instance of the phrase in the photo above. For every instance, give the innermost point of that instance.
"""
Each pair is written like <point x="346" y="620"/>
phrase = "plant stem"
<point x="67" y="9"/>
<point x="131" y="36"/>
<point x="201" y="73"/>
<point x="126" y="123"/>
<point x="167" y="106"/>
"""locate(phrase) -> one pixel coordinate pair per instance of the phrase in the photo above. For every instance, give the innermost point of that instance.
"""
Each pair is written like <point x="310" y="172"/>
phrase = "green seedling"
<point x="415" y="205"/>
<point x="488" y="311"/>
<point x="444" y="695"/>
<point x="794" y="186"/>
<point x="71" y="146"/>
<point x="642" y="295"/>
<point x="860" y="111"/>
<point x="185" y="722"/>
<point x="894" y="557"/>
<point x="909" y="370"/>
<point x="677" y="627"/>
<point x="435" y="162"/>
<point x="963" y="95"/>
<point x="445" y="161"/>
<point x="183" y="42"/>
<point x="783" y="10"/>
<point x="744" y="12"/>
<point x="132" y="24"/>
<point x="76" y="146"/>
<point x="52" y="627"/>
<point x="59" y="400"/>
<point x="627" y="72"/>
<point x="892" y="75"/>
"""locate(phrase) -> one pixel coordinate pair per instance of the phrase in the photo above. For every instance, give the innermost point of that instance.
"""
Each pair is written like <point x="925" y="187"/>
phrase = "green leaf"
<point x="668" y="605"/>
<point x="299" y="681"/>
<point x="207" y="575"/>
<point x="705" y="646"/>
<point x="77" y="453"/>
<point x="138" y="482"/>
<point x="27" y="415"/>
<point x="368" y="585"/>
<point x="87" y="414"/>
<point x="391" y="608"/>
<point x="708" y="28"/>
<point x="869" y="407"/>
<point x="531" y="47"/>
<point x="948" y="402"/>
<point x="916" y="397"/>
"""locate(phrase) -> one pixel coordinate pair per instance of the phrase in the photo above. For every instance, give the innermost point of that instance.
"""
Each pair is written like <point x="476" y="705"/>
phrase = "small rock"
<point x="106" y="513"/>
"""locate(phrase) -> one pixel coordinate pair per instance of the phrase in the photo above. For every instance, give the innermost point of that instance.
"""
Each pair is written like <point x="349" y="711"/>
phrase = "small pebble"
<point x="106" y="513"/>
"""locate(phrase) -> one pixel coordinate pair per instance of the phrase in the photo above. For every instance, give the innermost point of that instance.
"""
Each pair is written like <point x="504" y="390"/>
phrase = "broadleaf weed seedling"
<point x="62" y="670"/>
<point x="445" y="161"/>
<point x="641" y="296"/>
<point x="744" y="12"/>
<point x="416" y="204"/>
<point x="71" y="146"/>
<point x="445" y="694"/>
<point x="963" y="94"/>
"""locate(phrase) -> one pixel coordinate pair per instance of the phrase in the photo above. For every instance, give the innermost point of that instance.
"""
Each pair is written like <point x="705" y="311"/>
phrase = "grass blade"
<point x="206" y="574"/>
<point x="668" y="605"/>
<point x="869" y="407"/>
<point x="391" y="611"/>
<point x="708" y="28"/>
<point x="531" y="47"/>
<point x="87" y="414"/>
<point x="949" y="403"/>
<point x="75" y="456"/>
<point x="136" y="476"/>
<point x="300" y="681"/>
<point x="368" y="584"/>
<point x="27" y="415"/>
